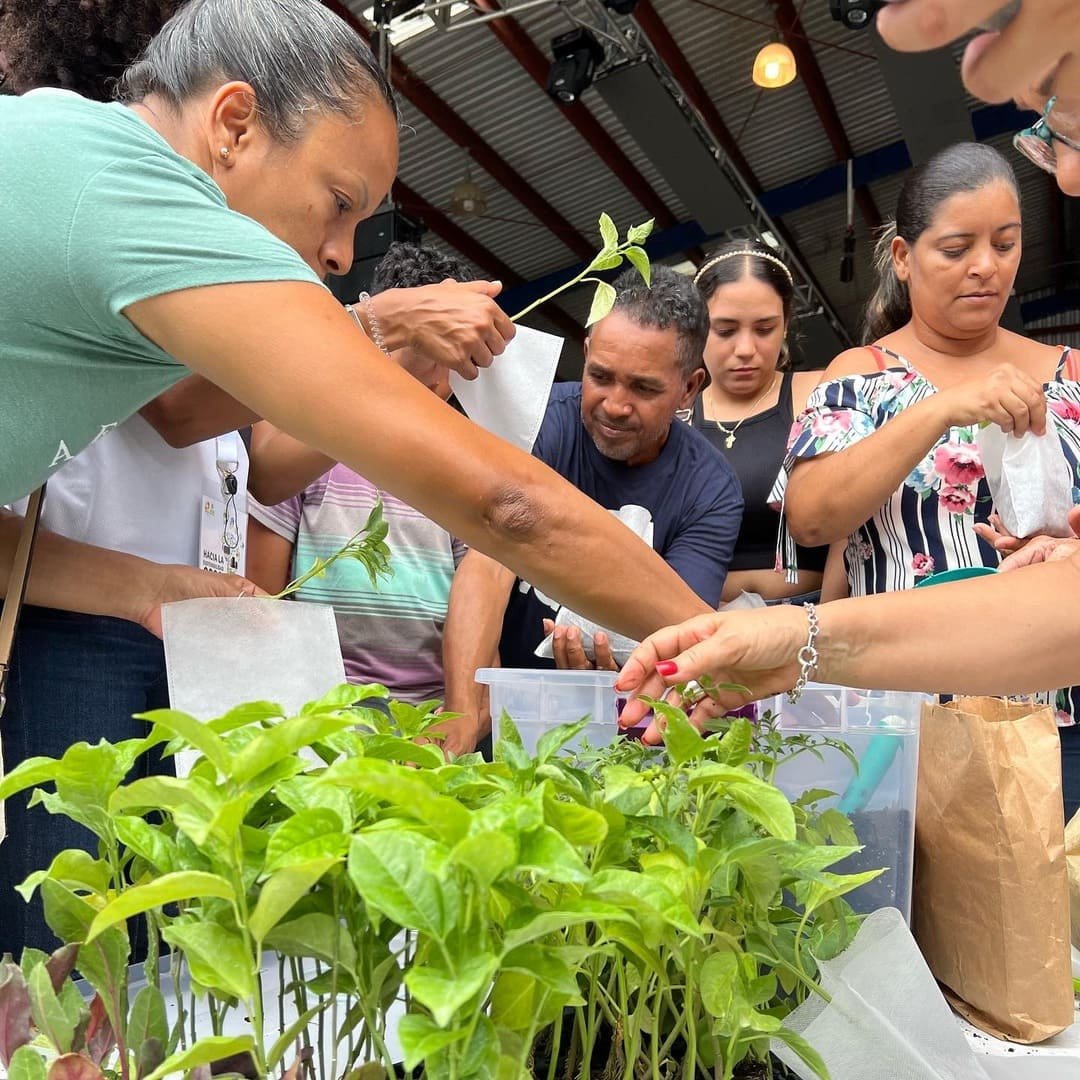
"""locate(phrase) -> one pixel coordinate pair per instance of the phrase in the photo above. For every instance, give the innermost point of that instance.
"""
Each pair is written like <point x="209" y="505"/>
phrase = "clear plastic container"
<point x="539" y="700"/>
<point x="882" y="730"/>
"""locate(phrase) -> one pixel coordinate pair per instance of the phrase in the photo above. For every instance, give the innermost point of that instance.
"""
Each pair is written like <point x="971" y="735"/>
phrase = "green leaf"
<point x="838" y="828"/>
<point x="283" y="739"/>
<point x="641" y="893"/>
<point x="292" y="1033"/>
<point x="444" y="992"/>
<point x="313" y="792"/>
<point x="48" y="1013"/>
<point x="830" y="887"/>
<point x="683" y="741"/>
<point x="481" y="1056"/>
<point x="606" y="260"/>
<point x="75" y="868"/>
<point x="28" y="774"/>
<point x="486" y="855"/>
<point x="524" y="927"/>
<point x="766" y="804"/>
<point x="26" y="1064"/>
<point x="548" y="853"/>
<point x="580" y="825"/>
<point x="391" y="872"/>
<point x="147" y="1019"/>
<point x="148" y="842"/>
<point x="195" y="733"/>
<point x="603" y="301"/>
<point x="183" y="885"/>
<point x="410" y="790"/>
<point x="315" y="934"/>
<point x="395" y="748"/>
<point x="545" y="963"/>
<point x="805" y="1051"/>
<point x="638" y="234"/>
<point x="718" y="981"/>
<point x="282" y="891"/>
<point x="205" y="1052"/>
<point x="674" y="834"/>
<point x="548" y="745"/>
<point x="640" y="259"/>
<point x="609" y="234"/>
<point x="218" y="958"/>
<point x="310" y="834"/>
<point x="735" y="744"/>
<point x="420" y="1037"/>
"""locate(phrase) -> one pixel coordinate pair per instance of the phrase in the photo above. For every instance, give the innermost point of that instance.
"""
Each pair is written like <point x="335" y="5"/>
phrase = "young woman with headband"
<point x="749" y="405"/>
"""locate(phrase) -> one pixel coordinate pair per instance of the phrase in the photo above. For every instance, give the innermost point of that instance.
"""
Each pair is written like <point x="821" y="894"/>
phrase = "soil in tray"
<point x="885" y="836"/>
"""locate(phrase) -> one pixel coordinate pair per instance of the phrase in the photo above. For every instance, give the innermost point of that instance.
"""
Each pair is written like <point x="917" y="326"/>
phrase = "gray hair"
<point x="297" y="55"/>
<point x="671" y="300"/>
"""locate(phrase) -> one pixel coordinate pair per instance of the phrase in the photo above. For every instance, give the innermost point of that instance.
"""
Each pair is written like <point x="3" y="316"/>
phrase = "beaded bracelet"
<point x="364" y="301"/>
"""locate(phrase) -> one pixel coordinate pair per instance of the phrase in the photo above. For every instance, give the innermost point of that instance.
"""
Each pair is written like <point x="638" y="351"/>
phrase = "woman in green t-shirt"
<point x="187" y="229"/>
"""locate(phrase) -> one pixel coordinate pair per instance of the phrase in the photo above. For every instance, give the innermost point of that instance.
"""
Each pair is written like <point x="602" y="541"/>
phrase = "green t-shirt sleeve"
<point x="149" y="226"/>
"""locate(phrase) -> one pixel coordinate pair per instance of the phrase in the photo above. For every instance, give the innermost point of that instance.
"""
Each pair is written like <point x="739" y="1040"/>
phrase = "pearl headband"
<point x="749" y="252"/>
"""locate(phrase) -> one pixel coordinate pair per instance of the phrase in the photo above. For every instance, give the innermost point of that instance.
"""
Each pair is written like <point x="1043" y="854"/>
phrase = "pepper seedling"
<point x="610" y="257"/>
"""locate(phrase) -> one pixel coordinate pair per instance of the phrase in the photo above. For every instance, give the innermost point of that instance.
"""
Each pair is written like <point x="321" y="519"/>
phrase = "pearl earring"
<point x="224" y="151"/>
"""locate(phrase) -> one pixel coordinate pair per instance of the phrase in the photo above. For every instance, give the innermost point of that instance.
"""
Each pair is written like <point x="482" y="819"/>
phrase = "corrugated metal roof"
<point x="779" y="133"/>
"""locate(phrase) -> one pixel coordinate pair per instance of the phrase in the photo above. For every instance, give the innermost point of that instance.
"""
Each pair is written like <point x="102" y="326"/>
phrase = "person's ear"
<point x="901" y="258"/>
<point x="692" y="388"/>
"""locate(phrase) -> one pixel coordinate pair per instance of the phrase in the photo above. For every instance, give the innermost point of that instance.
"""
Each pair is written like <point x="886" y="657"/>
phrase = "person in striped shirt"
<point x="303" y="505"/>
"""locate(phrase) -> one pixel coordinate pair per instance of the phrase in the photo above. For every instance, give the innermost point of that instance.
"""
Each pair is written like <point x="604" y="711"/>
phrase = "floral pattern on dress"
<point x="927" y="525"/>
<point x="923" y="565"/>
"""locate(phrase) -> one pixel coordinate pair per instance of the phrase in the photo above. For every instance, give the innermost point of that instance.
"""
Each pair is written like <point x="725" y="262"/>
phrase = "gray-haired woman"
<point x="188" y="228"/>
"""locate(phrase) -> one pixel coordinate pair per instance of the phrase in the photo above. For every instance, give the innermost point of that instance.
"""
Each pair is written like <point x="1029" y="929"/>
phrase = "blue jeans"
<point x="73" y="678"/>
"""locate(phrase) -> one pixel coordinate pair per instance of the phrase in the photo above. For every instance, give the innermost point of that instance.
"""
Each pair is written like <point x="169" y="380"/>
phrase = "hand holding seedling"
<point x="458" y="325"/>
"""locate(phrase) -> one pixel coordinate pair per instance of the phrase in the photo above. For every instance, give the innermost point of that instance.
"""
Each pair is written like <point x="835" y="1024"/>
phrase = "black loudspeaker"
<point x="371" y="242"/>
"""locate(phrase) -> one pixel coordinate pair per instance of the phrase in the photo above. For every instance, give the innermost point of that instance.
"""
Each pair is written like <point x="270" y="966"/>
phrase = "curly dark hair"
<point x="80" y="45"/>
<point x="406" y="265"/>
<point x="671" y="299"/>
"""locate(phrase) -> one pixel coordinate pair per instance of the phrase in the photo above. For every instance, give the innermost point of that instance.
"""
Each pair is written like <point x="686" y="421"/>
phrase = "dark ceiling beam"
<point x="455" y="128"/>
<point x="814" y="80"/>
<point x="440" y="222"/>
<point x="522" y="47"/>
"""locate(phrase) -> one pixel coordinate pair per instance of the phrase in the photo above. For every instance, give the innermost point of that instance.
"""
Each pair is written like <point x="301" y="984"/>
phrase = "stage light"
<point x="577" y="54"/>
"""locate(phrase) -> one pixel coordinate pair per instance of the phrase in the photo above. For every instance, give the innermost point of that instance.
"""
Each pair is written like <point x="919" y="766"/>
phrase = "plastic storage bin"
<point x="882" y="729"/>
<point x="539" y="700"/>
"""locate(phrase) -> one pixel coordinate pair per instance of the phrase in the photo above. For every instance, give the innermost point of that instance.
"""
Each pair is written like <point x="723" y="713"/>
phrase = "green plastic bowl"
<point x="961" y="573"/>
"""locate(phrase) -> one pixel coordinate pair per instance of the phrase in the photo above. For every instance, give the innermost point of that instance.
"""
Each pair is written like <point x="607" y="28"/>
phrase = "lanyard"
<point x="228" y="461"/>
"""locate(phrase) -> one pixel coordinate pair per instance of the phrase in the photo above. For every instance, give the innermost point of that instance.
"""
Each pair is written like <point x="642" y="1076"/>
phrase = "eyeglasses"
<point x="1036" y="143"/>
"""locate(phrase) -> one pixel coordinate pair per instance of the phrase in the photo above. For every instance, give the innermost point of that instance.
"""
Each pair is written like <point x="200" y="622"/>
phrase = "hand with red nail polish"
<point x="757" y="650"/>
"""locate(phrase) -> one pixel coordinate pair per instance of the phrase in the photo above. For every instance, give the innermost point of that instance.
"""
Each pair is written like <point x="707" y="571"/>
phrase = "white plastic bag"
<point x="622" y="647"/>
<point x="1029" y="479"/>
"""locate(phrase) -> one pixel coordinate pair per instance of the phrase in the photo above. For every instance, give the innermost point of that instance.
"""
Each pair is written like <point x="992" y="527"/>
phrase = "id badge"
<point x="222" y="521"/>
<point x="222" y="534"/>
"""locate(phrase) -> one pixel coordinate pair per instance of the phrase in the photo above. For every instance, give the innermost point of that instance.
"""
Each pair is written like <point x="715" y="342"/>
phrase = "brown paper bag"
<point x="1072" y="860"/>
<point x="991" y="899"/>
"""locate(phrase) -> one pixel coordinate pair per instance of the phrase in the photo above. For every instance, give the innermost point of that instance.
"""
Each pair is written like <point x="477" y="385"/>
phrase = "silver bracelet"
<point x="364" y="301"/>
<point x="808" y="656"/>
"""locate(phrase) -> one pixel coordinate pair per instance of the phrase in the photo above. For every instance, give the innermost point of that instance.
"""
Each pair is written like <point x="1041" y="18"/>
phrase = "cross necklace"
<point x="729" y="433"/>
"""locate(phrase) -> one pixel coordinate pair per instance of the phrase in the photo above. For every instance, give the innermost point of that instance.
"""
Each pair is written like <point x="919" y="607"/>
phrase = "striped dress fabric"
<point x="927" y="525"/>
<point x="391" y="634"/>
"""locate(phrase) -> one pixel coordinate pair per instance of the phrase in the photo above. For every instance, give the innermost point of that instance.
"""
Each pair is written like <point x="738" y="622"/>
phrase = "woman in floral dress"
<point x="885" y="453"/>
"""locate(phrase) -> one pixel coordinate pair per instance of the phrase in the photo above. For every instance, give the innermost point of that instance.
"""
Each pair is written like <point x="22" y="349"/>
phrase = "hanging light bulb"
<point x="774" y="66"/>
<point x="468" y="197"/>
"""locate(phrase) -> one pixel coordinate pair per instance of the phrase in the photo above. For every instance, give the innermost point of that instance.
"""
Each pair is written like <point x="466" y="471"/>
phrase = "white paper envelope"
<point x="509" y="398"/>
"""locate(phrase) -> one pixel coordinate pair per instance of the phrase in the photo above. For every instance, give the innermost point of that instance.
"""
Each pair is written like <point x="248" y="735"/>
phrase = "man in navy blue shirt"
<point x="615" y="436"/>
